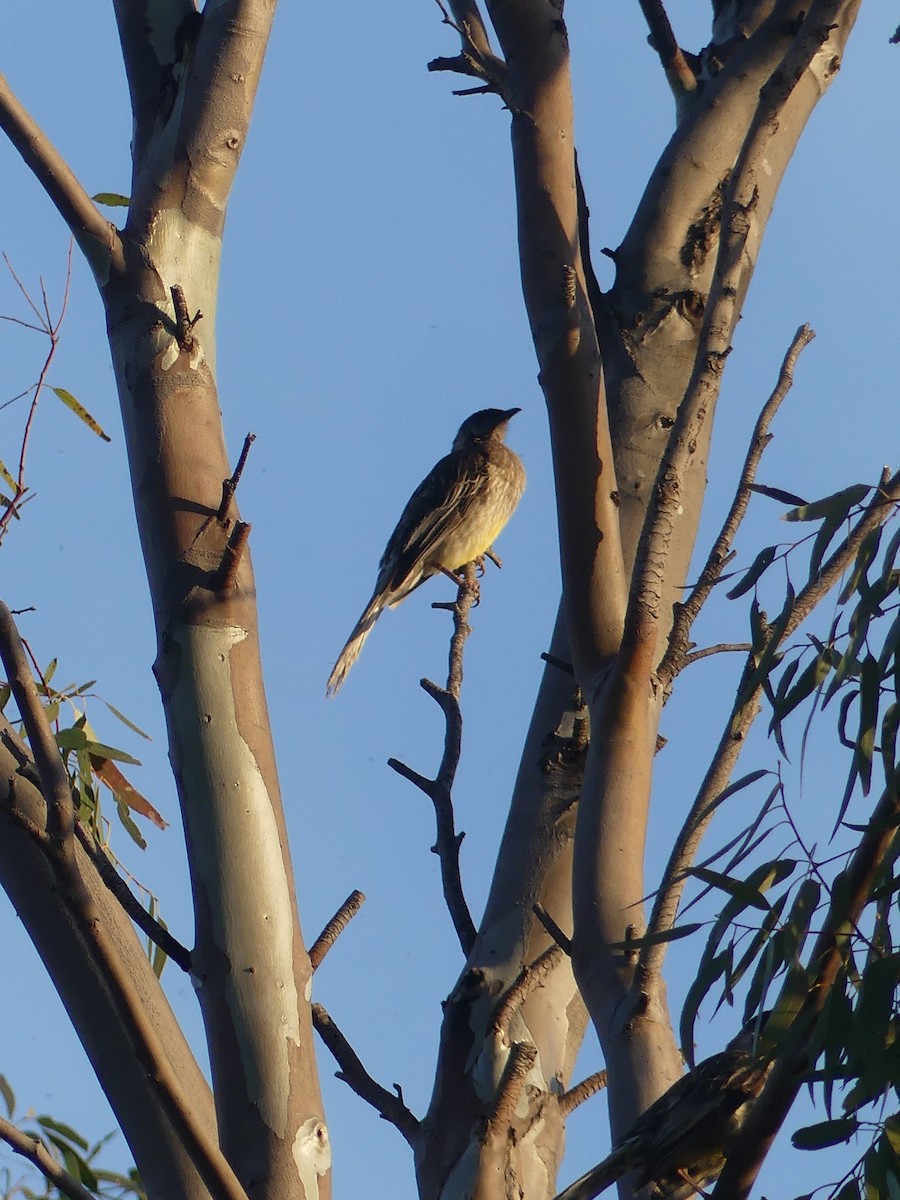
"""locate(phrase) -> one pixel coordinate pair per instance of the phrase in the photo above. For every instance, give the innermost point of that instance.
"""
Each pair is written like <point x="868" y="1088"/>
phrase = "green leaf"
<point x="825" y="1133"/>
<point x="129" y="826"/>
<point x="111" y="199"/>
<point x="749" y="892"/>
<point x="73" y="738"/>
<point x="64" y="1131"/>
<point x="779" y="494"/>
<point x="9" y="1096"/>
<point x="125" y="721"/>
<point x="655" y="939"/>
<point x="761" y="563"/>
<point x="81" y="412"/>
<point x="6" y="477"/>
<point x="838" y="503"/>
<point x="101" y="750"/>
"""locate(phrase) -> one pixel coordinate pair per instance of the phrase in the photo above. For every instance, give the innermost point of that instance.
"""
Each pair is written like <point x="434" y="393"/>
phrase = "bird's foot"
<point x="495" y="558"/>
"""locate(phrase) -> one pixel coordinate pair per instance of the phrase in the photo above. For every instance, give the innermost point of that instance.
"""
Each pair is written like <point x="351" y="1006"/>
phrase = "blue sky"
<point x="370" y="301"/>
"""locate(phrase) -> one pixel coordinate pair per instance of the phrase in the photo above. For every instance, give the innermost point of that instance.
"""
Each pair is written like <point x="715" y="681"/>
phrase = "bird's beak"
<point x="511" y="412"/>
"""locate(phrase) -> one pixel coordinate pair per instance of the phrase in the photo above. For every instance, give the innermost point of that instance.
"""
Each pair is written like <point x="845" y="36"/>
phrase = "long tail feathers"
<point x="350" y="652"/>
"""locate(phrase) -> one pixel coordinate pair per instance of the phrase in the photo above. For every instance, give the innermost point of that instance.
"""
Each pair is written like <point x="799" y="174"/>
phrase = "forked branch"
<point x="440" y="789"/>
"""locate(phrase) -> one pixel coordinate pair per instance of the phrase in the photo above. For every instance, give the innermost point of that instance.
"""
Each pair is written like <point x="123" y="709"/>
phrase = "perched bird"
<point x="451" y="519"/>
<point x="680" y="1143"/>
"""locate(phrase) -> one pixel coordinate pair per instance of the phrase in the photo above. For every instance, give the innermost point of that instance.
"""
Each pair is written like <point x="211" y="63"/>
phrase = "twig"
<point x="477" y="58"/>
<point x="210" y="1162"/>
<point x="440" y="789"/>
<point x="576" y="1095"/>
<point x="522" y="1056"/>
<point x="737" y="726"/>
<point x="530" y="977"/>
<point x="229" y="486"/>
<point x="719" y="648"/>
<point x="335" y="928"/>
<point x="184" y="322"/>
<point x="685" y="614"/>
<point x="50" y="329"/>
<point x="681" y="78"/>
<point x="387" y="1104"/>
<point x="148" y="925"/>
<point x="561" y="665"/>
<point x="564" y="943"/>
<point x="57" y="179"/>
<point x="30" y="1146"/>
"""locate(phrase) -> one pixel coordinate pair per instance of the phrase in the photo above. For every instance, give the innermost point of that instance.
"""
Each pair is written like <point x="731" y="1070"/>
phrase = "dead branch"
<point x="184" y="322"/>
<point x="719" y="648"/>
<point x="675" y="657"/>
<point x="229" y="485"/>
<point x="440" y="789"/>
<point x="530" y="977"/>
<point x="564" y="943"/>
<point x="335" y="928"/>
<point x="576" y="1095"/>
<point x="388" y="1105"/>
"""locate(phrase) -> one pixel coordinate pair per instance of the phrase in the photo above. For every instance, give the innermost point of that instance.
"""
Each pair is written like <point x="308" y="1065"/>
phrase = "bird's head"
<point x="489" y="424"/>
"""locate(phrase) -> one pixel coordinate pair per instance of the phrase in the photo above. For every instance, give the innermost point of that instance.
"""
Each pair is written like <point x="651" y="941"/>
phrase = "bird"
<point x="450" y="520"/>
<point x="680" y="1143"/>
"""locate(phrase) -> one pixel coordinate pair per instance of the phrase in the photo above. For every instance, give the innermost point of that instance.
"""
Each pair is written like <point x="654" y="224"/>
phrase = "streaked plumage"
<point x="451" y="519"/>
<point x="680" y="1142"/>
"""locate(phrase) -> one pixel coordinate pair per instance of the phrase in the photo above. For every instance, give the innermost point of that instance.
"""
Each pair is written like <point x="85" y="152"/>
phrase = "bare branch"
<point x="30" y="1146"/>
<point x="682" y="79"/>
<point x="184" y="322"/>
<point x="529" y="978"/>
<point x="97" y="237"/>
<point x="229" y="485"/>
<point x="335" y="928"/>
<point x="387" y="1104"/>
<point x="719" y="648"/>
<point x="686" y="613"/>
<point x="576" y="1095"/>
<point x="440" y="789"/>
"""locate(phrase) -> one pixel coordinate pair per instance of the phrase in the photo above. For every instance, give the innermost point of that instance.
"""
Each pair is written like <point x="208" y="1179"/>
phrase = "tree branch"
<point x="682" y="79"/>
<point x="97" y="237"/>
<point x="576" y="1095"/>
<point x="208" y="1159"/>
<point x="829" y="952"/>
<point x="529" y="978"/>
<point x="733" y="739"/>
<point x="440" y="789"/>
<point x="335" y="928"/>
<point x="675" y="657"/>
<point x="30" y="1146"/>
<point x="388" y="1105"/>
<point x="521" y="1059"/>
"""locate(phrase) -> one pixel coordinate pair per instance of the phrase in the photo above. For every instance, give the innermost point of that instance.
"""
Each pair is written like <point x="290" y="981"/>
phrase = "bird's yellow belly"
<point x="484" y="523"/>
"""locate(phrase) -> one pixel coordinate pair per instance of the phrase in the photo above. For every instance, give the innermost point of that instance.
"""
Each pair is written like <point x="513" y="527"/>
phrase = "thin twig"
<point x="387" y="1104"/>
<point x="148" y="925"/>
<point x="719" y="648"/>
<point x="184" y="322"/>
<point x="530" y="977"/>
<point x="30" y="1146"/>
<point x="229" y="485"/>
<point x="57" y="179"/>
<point x="440" y="789"/>
<point x="335" y="928"/>
<point x="576" y="1095"/>
<point x="686" y="613"/>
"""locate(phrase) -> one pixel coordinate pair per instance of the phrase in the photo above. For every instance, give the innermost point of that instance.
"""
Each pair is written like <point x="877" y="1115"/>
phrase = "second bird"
<point x="451" y="519"/>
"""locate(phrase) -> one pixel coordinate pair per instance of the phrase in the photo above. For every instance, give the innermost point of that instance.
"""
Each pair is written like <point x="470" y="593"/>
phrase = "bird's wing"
<point x="437" y="507"/>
